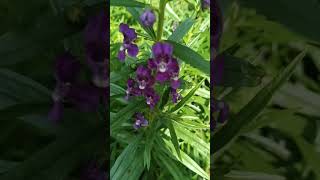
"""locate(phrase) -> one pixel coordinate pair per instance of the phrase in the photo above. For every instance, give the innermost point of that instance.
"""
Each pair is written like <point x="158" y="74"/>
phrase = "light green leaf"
<point x="181" y="30"/>
<point x="127" y="3"/>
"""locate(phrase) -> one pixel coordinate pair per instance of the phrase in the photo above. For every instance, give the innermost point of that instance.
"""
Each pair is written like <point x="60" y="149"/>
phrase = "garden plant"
<point x="160" y="89"/>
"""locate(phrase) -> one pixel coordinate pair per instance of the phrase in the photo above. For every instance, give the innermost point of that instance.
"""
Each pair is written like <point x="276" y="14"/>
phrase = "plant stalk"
<point x="162" y="6"/>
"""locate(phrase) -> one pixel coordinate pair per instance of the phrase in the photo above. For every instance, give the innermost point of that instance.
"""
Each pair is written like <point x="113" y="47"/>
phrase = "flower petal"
<point x="122" y="55"/>
<point x="133" y="50"/>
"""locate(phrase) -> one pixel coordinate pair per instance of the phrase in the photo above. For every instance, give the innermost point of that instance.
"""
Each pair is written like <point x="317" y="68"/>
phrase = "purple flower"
<point x="223" y="112"/>
<point x="147" y="18"/>
<point x="140" y="121"/>
<point x="86" y="98"/>
<point x="175" y="95"/>
<point x="205" y="4"/>
<point x="144" y="78"/>
<point x="69" y="90"/>
<point x="132" y="89"/>
<point x="167" y="67"/>
<point x="96" y="41"/>
<point x="67" y="69"/>
<point x="128" y="47"/>
<point x="152" y="98"/>
<point x="218" y="70"/>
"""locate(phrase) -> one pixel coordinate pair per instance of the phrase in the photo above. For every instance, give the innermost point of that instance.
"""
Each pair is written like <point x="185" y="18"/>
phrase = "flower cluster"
<point x="163" y="67"/>
<point x="128" y="47"/>
<point x="69" y="89"/>
<point x="140" y="121"/>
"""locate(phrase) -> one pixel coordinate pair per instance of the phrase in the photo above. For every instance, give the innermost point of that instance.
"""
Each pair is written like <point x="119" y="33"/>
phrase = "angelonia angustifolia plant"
<point x="159" y="88"/>
<point x="162" y="68"/>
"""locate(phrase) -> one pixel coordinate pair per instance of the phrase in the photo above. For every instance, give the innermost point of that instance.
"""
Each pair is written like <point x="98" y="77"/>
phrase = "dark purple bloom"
<point x="144" y="78"/>
<point x="205" y="4"/>
<point x="223" y="110"/>
<point x="217" y="70"/>
<point x="85" y="97"/>
<point x="96" y="41"/>
<point x="67" y="68"/>
<point x="152" y="98"/>
<point x="148" y="18"/>
<point x="140" y="121"/>
<point x="128" y="47"/>
<point x="167" y="67"/>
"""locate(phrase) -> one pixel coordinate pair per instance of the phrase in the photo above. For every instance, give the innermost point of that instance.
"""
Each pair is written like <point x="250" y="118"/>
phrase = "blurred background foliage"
<point x="32" y="34"/>
<point x="156" y="158"/>
<point x="278" y="137"/>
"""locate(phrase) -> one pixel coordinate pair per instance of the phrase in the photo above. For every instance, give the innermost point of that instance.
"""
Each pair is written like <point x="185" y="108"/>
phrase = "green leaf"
<point x="20" y="89"/>
<point x="181" y="30"/>
<point x="194" y="140"/>
<point x="126" y="158"/>
<point x="6" y="165"/>
<point x="127" y="3"/>
<point x="231" y="130"/>
<point x="44" y="158"/>
<point x="185" y="99"/>
<point x="185" y="159"/>
<point x="174" y="138"/>
<point x="245" y="175"/>
<point x="125" y="114"/>
<point x="300" y="16"/>
<point x="168" y="163"/>
<point x="191" y="57"/>
<point x="116" y="90"/>
<point x="238" y="72"/>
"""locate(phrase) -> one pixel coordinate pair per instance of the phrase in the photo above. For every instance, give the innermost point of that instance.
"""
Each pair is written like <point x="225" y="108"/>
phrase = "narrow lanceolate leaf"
<point x="164" y="161"/>
<point x="245" y="175"/>
<point x="186" y="160"/>
<point x="191" y="57"/>
<point x="302" y="17"/>
<point x="194" y="140"/>
<point x="185" y="99"/>
<point x="254" y="107"/>
<point x="124" y="114"/>
<point x="116" y="90"/>
<point x="181" y="30"/>
<point x="16" y="89"/>
<point x="126" y="158"/>
<point x="127" y="3"/>
<point x="237" y="72"/>
<point x="6" y="165"/>
<point x="174" y="138"/>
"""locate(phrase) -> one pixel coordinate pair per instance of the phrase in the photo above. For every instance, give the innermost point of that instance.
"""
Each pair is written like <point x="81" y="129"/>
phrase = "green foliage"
<point x="165" y="148"/>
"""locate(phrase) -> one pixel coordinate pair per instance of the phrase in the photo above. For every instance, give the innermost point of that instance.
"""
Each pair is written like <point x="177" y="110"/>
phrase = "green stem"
<point x="162" y="6"/>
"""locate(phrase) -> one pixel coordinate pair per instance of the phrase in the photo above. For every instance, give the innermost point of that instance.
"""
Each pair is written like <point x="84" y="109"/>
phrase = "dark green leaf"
<point x="231" y="130"/>
<point x="127" y="3"/>
<point x="191" y="57"/>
